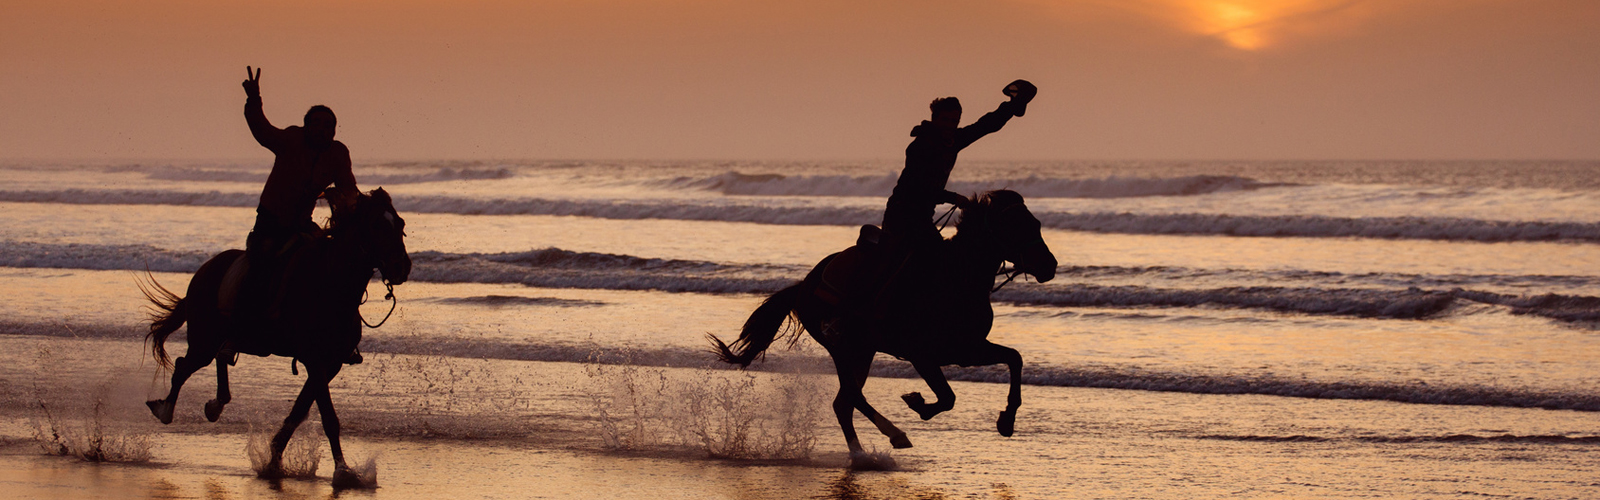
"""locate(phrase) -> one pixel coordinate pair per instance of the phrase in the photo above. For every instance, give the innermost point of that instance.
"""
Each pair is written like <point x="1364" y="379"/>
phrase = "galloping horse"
<point x="320" y="326"/>
<point x="935" y="313"/>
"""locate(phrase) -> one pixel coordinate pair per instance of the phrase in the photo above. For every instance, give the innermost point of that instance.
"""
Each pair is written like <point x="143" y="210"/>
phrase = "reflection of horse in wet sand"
<point x="320" y="327"/>
<point x="935" y="313"/>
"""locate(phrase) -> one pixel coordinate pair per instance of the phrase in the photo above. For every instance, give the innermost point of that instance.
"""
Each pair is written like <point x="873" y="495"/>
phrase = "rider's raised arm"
<point x="269" y="136"/>
<point x="989" y="123"/>
<point x="266" y="134"/>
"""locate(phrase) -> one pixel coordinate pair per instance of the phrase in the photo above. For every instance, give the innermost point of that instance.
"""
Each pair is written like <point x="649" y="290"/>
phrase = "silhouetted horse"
<point x="935" y="313"/>
<point x="320" y="326"/>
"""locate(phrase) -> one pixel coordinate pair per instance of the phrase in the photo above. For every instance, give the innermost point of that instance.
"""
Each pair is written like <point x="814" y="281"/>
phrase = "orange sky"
<point x="757" y="79"/>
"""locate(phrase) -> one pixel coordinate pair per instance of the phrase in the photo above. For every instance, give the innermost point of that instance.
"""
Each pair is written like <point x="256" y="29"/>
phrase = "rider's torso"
<point x="299" y="174"/>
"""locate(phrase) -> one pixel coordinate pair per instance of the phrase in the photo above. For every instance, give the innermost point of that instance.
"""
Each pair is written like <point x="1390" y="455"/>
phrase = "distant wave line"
<point x="1310" y="226"/>
<point x="558" y="268"/>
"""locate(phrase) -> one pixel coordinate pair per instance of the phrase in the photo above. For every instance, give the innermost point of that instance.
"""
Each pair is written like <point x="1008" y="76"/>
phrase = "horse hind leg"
<point x="182" y="369"/>
<point x="860" y="370"/>
<point x="214" y="407"/>
<point x="844" y="409"/>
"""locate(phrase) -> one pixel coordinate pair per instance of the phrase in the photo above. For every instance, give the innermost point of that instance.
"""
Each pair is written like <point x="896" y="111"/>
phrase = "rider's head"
<point x="319" y="126"/>
<point x="946" y="111"/>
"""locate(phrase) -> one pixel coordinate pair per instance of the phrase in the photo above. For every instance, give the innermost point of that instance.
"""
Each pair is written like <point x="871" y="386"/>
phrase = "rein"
<point x="945" y="219"/>
<point x="394" y="301"/>
<point x="1011" y="274"/>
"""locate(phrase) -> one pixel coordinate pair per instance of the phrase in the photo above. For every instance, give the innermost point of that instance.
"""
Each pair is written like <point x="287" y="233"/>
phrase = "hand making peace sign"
<point x="252" y="83"/>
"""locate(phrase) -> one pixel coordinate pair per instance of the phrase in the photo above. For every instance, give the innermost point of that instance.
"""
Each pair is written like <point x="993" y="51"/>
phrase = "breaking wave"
<point x="735" y="183"/>
<point x="558" y="268"/>
<point x="1424" y="228"/>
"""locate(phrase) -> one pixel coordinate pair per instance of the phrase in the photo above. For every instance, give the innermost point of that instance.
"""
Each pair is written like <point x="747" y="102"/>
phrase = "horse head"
<point x="379" y="231"/>
<point x="999" y="219"/>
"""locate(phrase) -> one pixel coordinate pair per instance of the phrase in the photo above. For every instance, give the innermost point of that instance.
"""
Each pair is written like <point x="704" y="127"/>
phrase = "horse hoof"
<point x="273" y="470"/>
<point x="213" y="410"/>
<point x="343" y="477"/>
<point x="900" y="442"/>
<point x="914" y="400"/>
<point x="917" y="404"/>
<point x="160" y="409"/>
<point x="861" y="460"/>
<point x="1007" y="423"/>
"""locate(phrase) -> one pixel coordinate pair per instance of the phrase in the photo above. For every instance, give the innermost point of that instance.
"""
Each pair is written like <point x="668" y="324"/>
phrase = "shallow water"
<point x="1215" y="329"/>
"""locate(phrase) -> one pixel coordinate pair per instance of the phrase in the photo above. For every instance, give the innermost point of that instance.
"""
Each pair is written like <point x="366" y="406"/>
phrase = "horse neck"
<point x="976" y="259"/>
<point x="346" y="263"/>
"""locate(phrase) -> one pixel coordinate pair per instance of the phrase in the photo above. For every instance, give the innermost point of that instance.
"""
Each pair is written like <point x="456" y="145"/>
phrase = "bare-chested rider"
<point x="307" y="160"/>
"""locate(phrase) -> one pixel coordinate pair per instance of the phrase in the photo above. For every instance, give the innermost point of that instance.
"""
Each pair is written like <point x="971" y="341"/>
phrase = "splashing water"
<point x="96" y="433"/>
<point x="300" y="458"/>
<point x="725" y="414"/>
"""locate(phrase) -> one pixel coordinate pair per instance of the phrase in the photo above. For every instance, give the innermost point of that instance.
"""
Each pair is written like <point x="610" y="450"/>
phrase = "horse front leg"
<point x="343" y="477"/>
<point x="297" y="414"/>
<point x="997" y="353"/>
<point x="934" y="376"/>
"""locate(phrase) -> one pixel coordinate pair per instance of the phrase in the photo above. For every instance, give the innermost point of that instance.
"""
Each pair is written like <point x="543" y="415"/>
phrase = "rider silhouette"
<point x="908" y="218"/>
<point x="307" y="160"/>
<point x="908" y="225"/>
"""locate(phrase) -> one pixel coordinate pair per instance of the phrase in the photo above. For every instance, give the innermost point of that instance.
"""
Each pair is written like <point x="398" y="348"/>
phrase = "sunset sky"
<point x="757" y="79"/>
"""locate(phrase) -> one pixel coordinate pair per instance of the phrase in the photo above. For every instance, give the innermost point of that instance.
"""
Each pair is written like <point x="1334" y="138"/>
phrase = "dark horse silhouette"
<point x="320" y="325"/>
<point x="935" y="313"/>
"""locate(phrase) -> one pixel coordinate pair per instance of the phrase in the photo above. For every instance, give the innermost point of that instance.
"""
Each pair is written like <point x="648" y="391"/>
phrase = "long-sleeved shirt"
<point x="929" y="159"/>
<point x="299" y="172"/>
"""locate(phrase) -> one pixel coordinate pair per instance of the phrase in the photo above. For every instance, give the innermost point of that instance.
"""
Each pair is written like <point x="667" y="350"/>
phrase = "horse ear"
<point x="381" y="195"/>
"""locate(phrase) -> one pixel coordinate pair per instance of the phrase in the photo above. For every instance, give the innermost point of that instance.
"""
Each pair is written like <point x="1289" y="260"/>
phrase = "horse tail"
<point x="167" y="313"/>
<point x="762" y="328"/>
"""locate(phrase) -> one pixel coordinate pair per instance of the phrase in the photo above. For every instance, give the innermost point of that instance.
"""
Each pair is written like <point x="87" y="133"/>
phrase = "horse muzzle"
<point x="1041" y="266"/>
<point x="396" y="271"/>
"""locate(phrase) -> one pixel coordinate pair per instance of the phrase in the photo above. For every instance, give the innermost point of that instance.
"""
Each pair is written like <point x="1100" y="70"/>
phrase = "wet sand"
<point x="463" y="428"/>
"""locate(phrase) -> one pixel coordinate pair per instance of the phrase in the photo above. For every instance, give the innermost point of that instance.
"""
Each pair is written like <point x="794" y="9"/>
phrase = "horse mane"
<point x="363" y="203"/>
<point x="973" y="217"/>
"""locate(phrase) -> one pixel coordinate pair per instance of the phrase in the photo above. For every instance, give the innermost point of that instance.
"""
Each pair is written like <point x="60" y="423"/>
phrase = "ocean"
<point x="1305" y="329"/>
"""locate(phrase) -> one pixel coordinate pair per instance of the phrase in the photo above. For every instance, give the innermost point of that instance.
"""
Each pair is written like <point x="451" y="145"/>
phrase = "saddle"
<point x="857" y="277"/>
<point x="234" y="280"/>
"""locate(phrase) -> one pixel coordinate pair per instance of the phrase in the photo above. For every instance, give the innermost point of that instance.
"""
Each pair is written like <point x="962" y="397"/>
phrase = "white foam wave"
<point x="735" y="183"/>
<point x="99" y="257"/>
<point x="256" y="177"/>
<point x="1313" y="226"/>
<point x="558" y="268"/>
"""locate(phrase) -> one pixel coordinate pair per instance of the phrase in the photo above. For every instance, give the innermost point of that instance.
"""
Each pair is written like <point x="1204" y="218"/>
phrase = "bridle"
<point x="389" y="296"/>
<point x="1011" y="273"/>
<point x="393" y="302"/>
